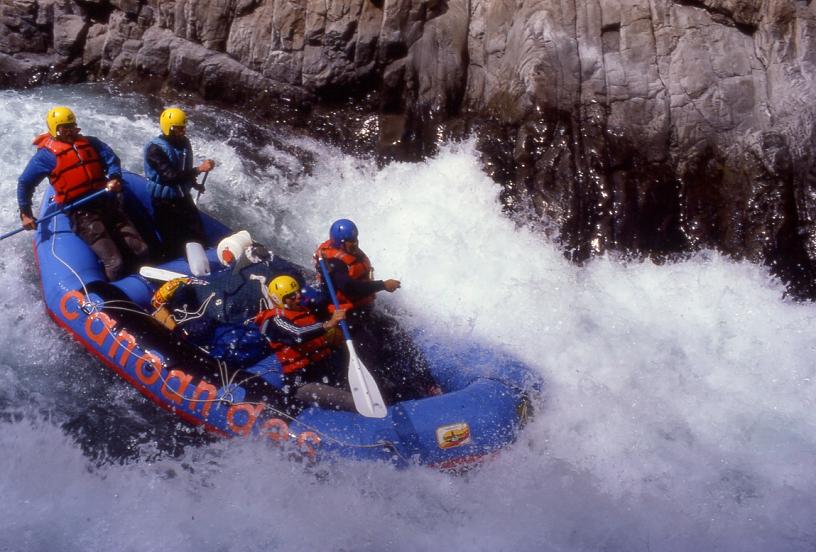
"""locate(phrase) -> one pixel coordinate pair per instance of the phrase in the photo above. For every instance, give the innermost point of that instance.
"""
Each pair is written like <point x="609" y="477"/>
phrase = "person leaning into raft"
<point x="78" y="165"/>
<point x="168" y="165"/>
<point x="382" y="346"/>
<point x="217" y="312"/>
<point x="305" y="346"/>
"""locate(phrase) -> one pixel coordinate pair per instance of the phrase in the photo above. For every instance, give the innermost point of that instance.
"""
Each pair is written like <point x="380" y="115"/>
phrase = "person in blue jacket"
<point x="168" y="166"/>
<point x="76" y="166"/>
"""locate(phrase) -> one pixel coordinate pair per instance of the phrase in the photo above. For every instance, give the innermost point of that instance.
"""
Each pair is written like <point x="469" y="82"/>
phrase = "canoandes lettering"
<point x="178" y="388"/>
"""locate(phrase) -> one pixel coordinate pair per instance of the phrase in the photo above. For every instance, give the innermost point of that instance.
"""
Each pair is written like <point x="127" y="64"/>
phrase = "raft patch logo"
<point x="454" y="435"/>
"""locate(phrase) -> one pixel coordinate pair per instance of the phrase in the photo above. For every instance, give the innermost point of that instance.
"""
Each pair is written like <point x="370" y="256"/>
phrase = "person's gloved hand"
<point x="114" y="185"/>
<point x="206" y="166"/>
<point x="391" y="285"/>
<point x="28" y="221"/>
<point x="336" y="317"/>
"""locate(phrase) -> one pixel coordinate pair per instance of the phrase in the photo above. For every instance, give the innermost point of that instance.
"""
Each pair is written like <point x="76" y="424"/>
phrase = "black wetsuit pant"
<point x="178" y="222"/>
<point x="107" y="229"/>
<point x="389" y="353"/>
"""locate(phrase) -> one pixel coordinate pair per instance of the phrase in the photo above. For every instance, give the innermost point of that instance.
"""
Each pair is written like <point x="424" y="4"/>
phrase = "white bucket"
<point x="232" y="247"/>
<point x="197" y="259"/>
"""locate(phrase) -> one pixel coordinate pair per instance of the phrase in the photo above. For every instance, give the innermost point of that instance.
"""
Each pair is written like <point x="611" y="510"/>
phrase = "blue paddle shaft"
<point x="333" y="295"/>
<point x="64" y="209"/>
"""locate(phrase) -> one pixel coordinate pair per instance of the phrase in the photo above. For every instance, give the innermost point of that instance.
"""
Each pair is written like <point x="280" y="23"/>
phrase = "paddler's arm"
<point x="282" y="330"/>
<point x="356" y="288"/>
<point x="167" y="172"/>
<point x="40" y="166"/>
<point x="113" y="166"/>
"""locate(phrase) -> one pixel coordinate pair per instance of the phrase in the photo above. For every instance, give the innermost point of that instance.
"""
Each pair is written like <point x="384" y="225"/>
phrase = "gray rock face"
<point x="654" y="126"/>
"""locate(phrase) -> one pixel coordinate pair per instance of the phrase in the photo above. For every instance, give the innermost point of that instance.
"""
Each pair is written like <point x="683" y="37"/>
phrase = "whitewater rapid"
<point x="677" y="412"/>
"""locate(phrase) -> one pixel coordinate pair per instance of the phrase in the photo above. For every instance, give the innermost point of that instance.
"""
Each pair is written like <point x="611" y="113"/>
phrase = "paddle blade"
<point x="364" y="391"/>
<point x="160" y="274"/>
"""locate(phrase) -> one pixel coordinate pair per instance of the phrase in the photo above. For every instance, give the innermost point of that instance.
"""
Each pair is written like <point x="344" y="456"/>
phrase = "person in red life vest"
<point x="305" y="346"/>
<point x="77" y="165"/>
<point x="168" y="166"/>
<point x="382" y="345"/>
<point x="349" y="267"/>
<point x="295" y="333"/>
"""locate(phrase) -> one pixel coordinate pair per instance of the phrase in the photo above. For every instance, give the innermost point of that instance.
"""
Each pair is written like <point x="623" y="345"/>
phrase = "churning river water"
<point x="677" y="413"/>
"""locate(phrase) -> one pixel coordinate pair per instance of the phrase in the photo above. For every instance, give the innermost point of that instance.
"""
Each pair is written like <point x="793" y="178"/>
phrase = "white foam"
<point x="678" y="410"/>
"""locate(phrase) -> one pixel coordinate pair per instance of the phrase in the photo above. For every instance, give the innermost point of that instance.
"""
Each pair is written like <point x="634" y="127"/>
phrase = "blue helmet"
<point x="342" y="230"/>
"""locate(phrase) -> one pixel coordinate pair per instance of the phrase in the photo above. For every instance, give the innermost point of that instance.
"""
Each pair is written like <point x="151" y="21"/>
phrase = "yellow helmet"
<point x="282" y="286"/>
<point x="172" y="117"/>
<point x="57" y="116"/>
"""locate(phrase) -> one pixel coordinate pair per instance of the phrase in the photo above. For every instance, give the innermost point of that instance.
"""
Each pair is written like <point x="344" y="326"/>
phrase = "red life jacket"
<point x="79" y="168"/>
<point x="359" y="268"/>
<point x="296" y="357"/>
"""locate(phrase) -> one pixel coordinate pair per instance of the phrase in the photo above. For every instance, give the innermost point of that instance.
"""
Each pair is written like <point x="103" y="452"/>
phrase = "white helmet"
<point x="232" y="247"/>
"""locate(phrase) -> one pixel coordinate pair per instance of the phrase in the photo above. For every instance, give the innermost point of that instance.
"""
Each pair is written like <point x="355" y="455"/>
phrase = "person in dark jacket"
<point x="350" y="269"/>
<point x="308" y="346"/>
<point x="76" y="166"/>
<point x="387" y="351"/>
<point x="168" y="166"/>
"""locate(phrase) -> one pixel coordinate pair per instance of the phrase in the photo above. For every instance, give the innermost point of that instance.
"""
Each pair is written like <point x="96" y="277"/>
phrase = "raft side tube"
<point x="458" y="364"/>
<point x="471" y="422"/>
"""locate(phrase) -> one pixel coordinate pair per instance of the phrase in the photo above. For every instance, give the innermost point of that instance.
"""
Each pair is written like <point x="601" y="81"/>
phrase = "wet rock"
<point x="657" y="127"/>
<point x="94" y="43"/>
<point x="22" y="28"/>
<point x="69" y="34"/>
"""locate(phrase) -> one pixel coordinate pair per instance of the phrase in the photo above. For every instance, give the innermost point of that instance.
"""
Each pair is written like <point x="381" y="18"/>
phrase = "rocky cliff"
<point x="652" y="126"/>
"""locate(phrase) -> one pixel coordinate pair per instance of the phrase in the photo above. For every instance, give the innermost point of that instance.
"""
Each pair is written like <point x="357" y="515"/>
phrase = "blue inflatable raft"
<point x="483" y="405"/>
